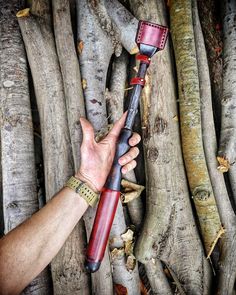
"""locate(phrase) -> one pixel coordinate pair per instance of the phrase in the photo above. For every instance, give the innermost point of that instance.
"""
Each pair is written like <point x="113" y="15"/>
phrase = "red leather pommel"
<point x="151" y="34"/>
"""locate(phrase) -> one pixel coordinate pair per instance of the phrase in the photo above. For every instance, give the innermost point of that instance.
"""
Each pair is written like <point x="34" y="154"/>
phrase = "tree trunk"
<point x="169" y="228"/>
<point x="190" y="121"/>
<point x="213" y="41"/>
<point x="227" y="149"/>
<point x="58" y="162"/>
<point x="18" y="166"/>
<point x="74" y="102"/>
<point x="227" y="262"/>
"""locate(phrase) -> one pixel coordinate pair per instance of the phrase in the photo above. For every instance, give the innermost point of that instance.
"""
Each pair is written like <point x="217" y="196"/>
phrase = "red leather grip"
<point x="102" y="224"/>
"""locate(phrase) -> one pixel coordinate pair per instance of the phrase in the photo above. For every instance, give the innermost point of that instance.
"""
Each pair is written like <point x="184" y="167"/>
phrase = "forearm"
<point x="30" y="247"/>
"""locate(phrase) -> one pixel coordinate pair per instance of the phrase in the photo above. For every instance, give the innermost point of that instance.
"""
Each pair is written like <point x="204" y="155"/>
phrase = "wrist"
<point x="83" y="177"/>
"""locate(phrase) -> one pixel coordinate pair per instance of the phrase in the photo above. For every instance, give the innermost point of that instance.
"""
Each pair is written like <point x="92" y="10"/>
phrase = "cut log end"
<point x="224" y="164"/>
<point x="23" y="13"/>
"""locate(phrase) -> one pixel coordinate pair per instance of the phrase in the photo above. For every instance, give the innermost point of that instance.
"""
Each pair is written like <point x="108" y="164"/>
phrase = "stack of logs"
<point x="74" y="59"/>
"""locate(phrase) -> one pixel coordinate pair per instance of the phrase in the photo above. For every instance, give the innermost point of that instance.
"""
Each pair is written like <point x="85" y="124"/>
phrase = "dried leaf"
<point x="128" y="236"/>
<point x="129" y="247"/>
<point x="84" y="83"/>
<point x="131" y="191"/>
<point x="130" y="262"/>
<point x="224" y="164"/>
<point x="23" y="13"/>
<point x="128" y="241"/>
<point x="120" y="290"/>
<point x="117" y="253"/>
<point x="80" y="46"/>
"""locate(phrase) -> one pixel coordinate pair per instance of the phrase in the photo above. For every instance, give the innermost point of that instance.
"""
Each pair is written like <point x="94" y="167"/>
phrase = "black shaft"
<point x="134" y="99"/>
<point x="114" y="178"/>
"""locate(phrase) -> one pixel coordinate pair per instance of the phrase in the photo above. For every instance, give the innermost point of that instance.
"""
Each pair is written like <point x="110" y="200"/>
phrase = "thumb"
<point x="87" y="129"/>
<point x="115" y="131"/>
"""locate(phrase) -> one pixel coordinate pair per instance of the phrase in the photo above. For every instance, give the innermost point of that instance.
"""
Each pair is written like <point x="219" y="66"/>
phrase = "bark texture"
<point x="20" y="199"/>
<point x="157" y="278"/>
<point x="70" y="73"/>
<point x="169" y="232"/>
<point x="190" y="121"/>
<point x="227" y="149"/>
<point x="58" y="163"/>
<point x="213" y="41"/>
<point x="71" y="77"/>
<point x="227" y="262"/>
<point x="226" y="152"/>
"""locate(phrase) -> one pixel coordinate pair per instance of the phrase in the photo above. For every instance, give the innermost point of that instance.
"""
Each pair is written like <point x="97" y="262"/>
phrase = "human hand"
<point x="97" y="157"/>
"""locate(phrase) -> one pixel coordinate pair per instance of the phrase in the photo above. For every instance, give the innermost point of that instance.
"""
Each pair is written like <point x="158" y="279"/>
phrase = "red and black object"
<point x="150" y="38"/>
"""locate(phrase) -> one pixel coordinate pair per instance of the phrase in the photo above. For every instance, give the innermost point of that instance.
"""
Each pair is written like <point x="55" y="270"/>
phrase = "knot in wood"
<point x="160" y="125"/>
<point x="201" y="194"/>
<point x="152" y="154"/>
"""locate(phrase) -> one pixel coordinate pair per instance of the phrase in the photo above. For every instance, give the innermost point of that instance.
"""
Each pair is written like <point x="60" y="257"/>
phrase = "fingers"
<point x="129" y="156"/>
<point x="87" y="129"/>
<point x="134" y="139"/>
<point x="115" y="131"/>
<point x="130" y="166"/>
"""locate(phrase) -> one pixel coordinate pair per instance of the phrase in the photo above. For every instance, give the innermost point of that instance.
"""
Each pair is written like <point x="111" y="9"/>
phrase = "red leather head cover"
<point x="151" y="34"/>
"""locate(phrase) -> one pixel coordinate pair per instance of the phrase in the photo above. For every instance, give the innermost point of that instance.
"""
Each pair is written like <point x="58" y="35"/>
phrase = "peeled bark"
<point x="17" y="147"/>
<point x="169" y="232"/>
<point x="227" y="270"/>
<point x="58" y="162"/>
<point x="190" y="121"/>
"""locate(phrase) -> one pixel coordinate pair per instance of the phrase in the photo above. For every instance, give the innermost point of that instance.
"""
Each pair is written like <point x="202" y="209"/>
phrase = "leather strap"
<point x="143" y="58"/>
<point x="137" y="80"/>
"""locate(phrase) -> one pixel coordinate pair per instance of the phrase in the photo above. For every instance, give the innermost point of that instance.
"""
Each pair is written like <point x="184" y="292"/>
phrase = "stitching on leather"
<point x="155" y="26"/>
